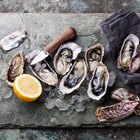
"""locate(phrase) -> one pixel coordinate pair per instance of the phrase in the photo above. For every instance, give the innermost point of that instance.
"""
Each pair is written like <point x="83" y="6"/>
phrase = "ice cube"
<point x="62" y="105"/>
<point x="79" y="107"/>
<point x="50" y="103"/>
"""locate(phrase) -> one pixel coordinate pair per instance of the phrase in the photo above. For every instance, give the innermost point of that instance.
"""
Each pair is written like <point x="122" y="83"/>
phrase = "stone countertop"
<point x="41" y="29"/>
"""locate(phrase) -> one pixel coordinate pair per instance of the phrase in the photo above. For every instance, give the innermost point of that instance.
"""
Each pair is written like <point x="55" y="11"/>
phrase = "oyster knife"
<point x="64" y="37"/>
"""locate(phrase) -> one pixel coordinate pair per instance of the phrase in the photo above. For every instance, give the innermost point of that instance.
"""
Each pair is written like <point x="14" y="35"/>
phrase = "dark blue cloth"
<point x="116" y="28"/>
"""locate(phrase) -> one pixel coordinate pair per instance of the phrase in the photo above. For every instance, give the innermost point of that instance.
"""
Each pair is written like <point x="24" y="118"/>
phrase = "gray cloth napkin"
<point x="116" y="28"/>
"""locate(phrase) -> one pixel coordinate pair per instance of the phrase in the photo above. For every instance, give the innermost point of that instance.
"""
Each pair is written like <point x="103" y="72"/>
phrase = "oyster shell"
<point x="72" y="80"/>
<point x="66" y="54"/>
<point x="15" y="68"/>
<point x="116" y="112"/>
<point x="128" y="52"/>
<point x="42" y="70"/>
<point x="13" y="40"/>
<point x="93" y="55"/>
<point x="98" y="84"/>
<point x="121" y="94"/>
<point x="124" y="94"/>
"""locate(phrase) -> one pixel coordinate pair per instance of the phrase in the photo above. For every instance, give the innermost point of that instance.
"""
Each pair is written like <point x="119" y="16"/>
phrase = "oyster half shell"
<point x="15" y="68"/>
<point x="13" y="40"/>
<point x="42" y="70"/>
<point x="93" y="55"/>
<point x="72" y="80"/>
<point x="99" y="81"/>
<point x="63" y="59"/>
<point x="128" y="52"/>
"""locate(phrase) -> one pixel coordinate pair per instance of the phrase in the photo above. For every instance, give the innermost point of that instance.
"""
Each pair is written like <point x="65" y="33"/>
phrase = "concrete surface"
<point x="76" y="6"/>
<point x="67" y="6"/>
<point x="70" y="134"/>
<point x="21" y="114"/>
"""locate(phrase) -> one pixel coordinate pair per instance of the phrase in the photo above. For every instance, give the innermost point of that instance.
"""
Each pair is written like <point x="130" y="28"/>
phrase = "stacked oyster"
<point x="100" y="76"/>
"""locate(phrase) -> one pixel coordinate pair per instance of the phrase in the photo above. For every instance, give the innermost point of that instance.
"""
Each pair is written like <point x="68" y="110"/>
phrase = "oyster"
<point x="128" y="52"/>
<point x="66" y="54"/>
<point x="42" y="70"/>
<point x="116" y="112"/>
<point x="72" y="80"/>
<point x="98" y="84"/>
<point x="15" y="68"/>
<point x="124" y="94"/>
<point x="13" y="40"/>
<point x="93" y="55"/>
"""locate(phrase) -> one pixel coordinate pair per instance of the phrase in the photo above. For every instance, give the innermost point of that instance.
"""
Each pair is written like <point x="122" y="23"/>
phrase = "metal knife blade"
<point x="42" y="55"/>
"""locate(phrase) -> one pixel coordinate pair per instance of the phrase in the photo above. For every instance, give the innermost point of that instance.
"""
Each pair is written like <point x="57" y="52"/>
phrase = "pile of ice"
<point x="75" y="101"/>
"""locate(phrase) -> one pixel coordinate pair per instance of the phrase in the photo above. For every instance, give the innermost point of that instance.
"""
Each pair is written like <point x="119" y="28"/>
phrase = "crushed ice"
<point x="72" y="102"/>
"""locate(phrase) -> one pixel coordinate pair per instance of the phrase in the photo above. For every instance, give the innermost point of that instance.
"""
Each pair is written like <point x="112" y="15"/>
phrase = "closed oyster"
<point x="93" y="55"/>
<point x="121" y="94"/>
<point x="42" y="70"/>
<point x="13" y="40"/>
<point x="98" y="84"/>
<point x="72" y="80"/>
<point x="116" y="112"/>
<point x="65" y="56"/>
<point x="128" y="52"/>
<point x="15" y="68"/>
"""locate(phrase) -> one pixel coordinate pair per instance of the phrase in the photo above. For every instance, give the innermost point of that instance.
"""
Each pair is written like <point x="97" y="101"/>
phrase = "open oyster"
<point x="15" y="68"/>
<point x="128" y="52"/>
<point x="72" y="80"/>
<point x="13" y="40"/>
<point x="98" y="84"/>
<point x="66" y="54"/>
<point x="42" y="70"/>
<point x="116" y="112"/>
<point x="93" y="55"/>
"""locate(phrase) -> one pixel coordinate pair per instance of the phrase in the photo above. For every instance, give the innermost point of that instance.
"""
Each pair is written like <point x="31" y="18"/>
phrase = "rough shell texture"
<point x="98" y="84"/>
<point x="116" y="112"/>
<point x="135" y="65"/>
<point x="74" y="78"/>
<point x="13" y="40"/>
<point x="124" y="94"/>
<point x="66" y="54"/>
<point x="93" y="55"/>
<point x="128" y="52"/>
<point x="15" y="68"/>
<point x="42" y="70"/>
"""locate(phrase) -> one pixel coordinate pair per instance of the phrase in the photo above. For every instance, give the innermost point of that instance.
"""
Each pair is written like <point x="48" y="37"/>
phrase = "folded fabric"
<point x="116" y="28"/>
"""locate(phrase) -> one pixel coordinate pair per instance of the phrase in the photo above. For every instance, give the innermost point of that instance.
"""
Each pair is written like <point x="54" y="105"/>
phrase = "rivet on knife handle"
<point x="64" y="37"/>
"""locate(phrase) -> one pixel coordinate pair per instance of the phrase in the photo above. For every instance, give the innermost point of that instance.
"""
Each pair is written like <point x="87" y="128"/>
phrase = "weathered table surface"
<point x="42" y="28"/>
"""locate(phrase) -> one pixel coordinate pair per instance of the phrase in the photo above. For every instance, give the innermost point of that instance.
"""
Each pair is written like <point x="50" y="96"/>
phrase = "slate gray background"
<point x="75" y="6"/>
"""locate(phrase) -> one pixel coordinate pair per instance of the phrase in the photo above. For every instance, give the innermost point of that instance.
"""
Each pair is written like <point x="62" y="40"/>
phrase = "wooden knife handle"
<point x="67" y="35"/>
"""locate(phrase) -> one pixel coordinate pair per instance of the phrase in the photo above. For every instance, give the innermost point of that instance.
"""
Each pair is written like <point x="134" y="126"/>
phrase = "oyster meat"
<point x="42" y="70"/>
<point x="72" y="80"/>
<point x="15" y="68"/>
<point x="116" y="112"/>
<point x="13" y="40"/>
<point x="93" y="55"/>
<point x="65" y="56"/>
<point x="98" y="84"/>
<point x="128" y="52"/>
